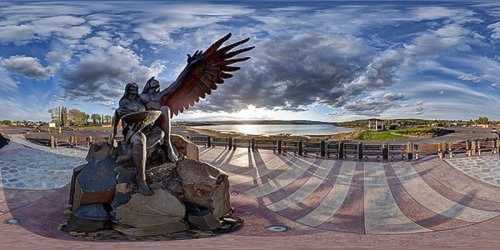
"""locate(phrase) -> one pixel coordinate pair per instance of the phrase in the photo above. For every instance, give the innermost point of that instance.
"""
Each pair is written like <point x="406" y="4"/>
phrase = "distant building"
<point x="481" y="125"/>
<point x="376" y="124"/>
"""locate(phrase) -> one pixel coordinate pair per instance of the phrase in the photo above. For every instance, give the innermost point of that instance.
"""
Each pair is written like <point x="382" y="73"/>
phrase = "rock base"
<point x="187" y="195"/>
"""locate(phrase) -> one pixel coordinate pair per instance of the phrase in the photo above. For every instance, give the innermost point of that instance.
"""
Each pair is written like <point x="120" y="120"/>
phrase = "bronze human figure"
<point x="151" y="98"/>
<point x="138" y="136"/>
<point x="203" y="72"/>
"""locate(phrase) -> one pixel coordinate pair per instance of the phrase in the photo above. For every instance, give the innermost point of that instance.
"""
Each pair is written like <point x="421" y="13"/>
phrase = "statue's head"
<point x="152" y="85"/>
<point x="131" y="91"/>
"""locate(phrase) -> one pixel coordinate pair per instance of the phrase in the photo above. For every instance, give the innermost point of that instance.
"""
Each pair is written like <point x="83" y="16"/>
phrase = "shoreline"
<point x="341" y="135"/>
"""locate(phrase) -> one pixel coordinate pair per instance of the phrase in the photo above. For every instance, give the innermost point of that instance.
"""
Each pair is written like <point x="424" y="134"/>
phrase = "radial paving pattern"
<point x="309" y="194"/>
<point x="485" y="168"/>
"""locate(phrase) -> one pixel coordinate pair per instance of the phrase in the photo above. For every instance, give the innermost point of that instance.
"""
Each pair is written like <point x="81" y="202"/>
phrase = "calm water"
<point x="256" y="129"/>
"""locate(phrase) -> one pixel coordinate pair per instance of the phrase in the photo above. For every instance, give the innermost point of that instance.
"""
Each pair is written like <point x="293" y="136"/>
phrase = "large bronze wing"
<point x="202" y="74"/>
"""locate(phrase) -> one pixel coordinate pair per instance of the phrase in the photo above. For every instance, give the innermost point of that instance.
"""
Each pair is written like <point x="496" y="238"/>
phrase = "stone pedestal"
<point x="108" y="181"/>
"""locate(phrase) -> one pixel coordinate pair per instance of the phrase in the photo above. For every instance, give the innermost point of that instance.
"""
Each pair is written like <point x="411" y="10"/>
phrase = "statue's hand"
<point x="195" y="57"/>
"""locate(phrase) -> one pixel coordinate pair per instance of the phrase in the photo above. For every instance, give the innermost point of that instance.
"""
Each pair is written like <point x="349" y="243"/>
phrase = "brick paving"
<point x="486" y="168"/>
<point x="322" y="204"/>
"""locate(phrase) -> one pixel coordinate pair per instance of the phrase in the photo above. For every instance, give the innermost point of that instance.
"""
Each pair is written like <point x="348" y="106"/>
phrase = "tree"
<point x="107" y="119"/>
<point x="59" y="116"/>
<point x="77" y="117"/>
<point x="482" y="120"/>
<point x="96" y="119"/>
<point x="6" y="122"/>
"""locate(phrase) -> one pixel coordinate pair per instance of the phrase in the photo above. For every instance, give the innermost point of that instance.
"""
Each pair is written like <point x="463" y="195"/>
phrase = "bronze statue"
<point x="146" y="117"/>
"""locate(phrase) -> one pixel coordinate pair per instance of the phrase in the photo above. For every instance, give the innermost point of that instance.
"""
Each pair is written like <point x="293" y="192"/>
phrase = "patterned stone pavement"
<point x="317" y="203"/>
<point x="24" y="165"/>
<point x="307" y="194"/>
<point x="486" y="168"/>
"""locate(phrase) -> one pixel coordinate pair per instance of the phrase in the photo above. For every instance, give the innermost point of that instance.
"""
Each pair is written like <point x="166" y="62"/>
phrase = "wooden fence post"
<point x="498" y="146"/>
<point x="410" y="151"/>
<point x="253" y="144"/>
<point x="341" y="150"/>
<point x="301" y="148"/>
<point x="230" y="143"/>
<point x="90" y="140"/>
<point x="280" y="146"/>
<point x="440" y="151"/>
<point x="209" y="142"/>
<point x="385" y="152"/>
<point x="323" y="149"/>
<point x="360" y="151"/>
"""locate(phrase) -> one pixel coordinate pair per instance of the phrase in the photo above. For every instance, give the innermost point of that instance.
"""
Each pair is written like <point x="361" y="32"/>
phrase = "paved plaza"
<point x="287" y="201"/>
<point x="25" y="165"/>
<point x="485" y="168"/>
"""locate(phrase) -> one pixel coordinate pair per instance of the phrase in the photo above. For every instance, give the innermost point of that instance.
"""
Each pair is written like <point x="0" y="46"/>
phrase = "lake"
<point x="261" y="129"/>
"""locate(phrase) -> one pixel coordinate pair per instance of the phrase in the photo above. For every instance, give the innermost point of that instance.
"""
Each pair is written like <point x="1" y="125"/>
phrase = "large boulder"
<point x="95" y="181"/>
<point x="185" y="147"/>
<point x="160" y="213"/>
<point x="205" y="185"/>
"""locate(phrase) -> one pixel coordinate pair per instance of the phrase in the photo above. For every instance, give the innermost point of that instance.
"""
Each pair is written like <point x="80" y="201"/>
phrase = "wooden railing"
<point x="61" y="140"/>
<point x="358" y="150"/>
<point x="323" y="149"/>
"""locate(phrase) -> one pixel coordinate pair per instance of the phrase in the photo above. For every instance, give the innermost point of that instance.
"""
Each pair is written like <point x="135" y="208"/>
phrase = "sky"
<point x="325" y="61"/>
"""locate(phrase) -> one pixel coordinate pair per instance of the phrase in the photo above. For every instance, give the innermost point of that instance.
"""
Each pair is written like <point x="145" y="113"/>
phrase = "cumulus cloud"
<point x="305" y="56"/>
<point x="431" y="13"/>
<point x="291" y="72"/>
<point x="101" y="75"/>
<point x="26" y="66"/>
<point x="7" y="84"/>
<point x="22" y="31"/>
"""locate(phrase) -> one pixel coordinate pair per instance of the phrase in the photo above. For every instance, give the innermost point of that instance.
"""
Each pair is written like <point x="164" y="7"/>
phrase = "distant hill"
<point x="260" y="122"/>
<point x="409" y="122"/>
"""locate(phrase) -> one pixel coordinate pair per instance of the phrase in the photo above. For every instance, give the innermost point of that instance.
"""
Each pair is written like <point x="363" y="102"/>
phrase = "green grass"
<point x="396" y="134"/>
<point x="379" y="136"/>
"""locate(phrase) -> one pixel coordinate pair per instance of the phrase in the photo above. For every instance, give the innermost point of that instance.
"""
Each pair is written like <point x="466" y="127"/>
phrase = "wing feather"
<point x="202" y="74"/>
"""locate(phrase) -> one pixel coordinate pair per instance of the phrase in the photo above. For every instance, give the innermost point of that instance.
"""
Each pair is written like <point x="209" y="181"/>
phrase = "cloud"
<point x="368" y="108"/>
<point x="431" y="13"/>
<point x="495" y="30"/>
<point x="391" y="97"/>
<point x="7" y="84"/>
<point x="419" y="109"/>
<point x="326" y="54"/>
<point x="101" y="75"/>
<point x="26" y="66"/>
<point x="58" y="56"/>
<point x="24" y="30"/>
<point x="291" y="72"/>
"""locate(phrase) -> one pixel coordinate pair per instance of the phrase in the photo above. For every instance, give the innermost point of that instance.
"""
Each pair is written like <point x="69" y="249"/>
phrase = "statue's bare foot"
<point x="144" y="189"/>
<point x="172" y="156"/>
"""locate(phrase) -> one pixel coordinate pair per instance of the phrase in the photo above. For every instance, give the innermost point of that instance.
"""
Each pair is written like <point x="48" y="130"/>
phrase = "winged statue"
<point x="146" y="116"/>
